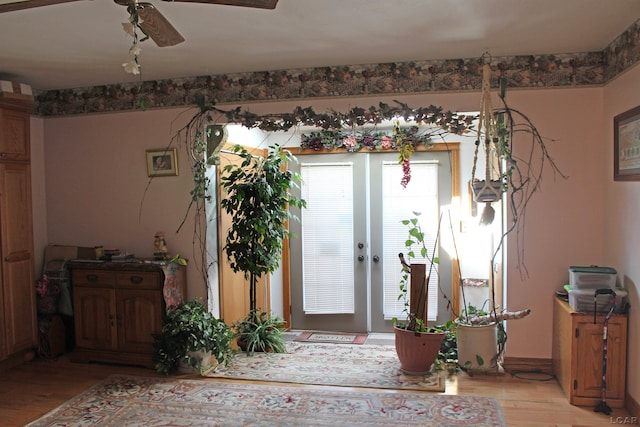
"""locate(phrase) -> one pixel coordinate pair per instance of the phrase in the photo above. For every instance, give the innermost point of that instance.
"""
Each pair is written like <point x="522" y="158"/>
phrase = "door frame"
<point x="454" y="151"/>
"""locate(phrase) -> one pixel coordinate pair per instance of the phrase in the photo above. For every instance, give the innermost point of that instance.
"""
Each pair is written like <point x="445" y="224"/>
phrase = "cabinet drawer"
<point x="138" y="279"/>
<point x="93" y="278"/>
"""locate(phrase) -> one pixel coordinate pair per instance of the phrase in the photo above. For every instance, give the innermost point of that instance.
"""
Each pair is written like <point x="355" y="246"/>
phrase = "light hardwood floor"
<point x="30" y="390"/>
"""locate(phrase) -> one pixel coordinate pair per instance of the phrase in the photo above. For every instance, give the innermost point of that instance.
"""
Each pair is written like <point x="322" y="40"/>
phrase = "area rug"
<point x="332" y="337"/>
<point x="373" y="366"/>
<point x="122" y="400"/>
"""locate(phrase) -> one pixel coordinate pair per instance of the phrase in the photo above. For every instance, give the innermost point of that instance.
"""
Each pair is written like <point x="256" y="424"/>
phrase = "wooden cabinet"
<point x="18" y="320"/>
<point x="578" y="359"/>
<point x="15" y="141"/>
<point x="118" y="308"/>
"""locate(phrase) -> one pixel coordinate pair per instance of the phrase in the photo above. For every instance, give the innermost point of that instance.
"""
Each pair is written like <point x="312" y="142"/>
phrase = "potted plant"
<point x="481" y="335"/>
<point x="190" y="336"/>
<point x="478" y="342"/>
<point x="260" y="331"/>
<point x="417" y="344"/>
<point x="258" y="199"/>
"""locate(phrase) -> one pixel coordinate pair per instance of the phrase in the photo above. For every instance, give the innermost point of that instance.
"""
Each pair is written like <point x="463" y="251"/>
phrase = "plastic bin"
<point x="583" y="300"/>
<point x="592" y="277"/>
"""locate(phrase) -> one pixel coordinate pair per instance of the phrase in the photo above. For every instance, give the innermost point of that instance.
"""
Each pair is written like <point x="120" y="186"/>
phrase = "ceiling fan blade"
<point x="21" y="5"/>
<point x="262" y="4"/>
<point x="157" y="27"/>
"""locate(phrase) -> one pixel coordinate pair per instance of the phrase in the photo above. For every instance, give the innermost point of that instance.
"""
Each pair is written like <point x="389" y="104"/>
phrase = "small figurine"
<point x="160" y="246"/>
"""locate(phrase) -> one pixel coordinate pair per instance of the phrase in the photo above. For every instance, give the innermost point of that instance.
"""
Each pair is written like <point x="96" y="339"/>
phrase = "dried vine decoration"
<point x="446" y="121"/>
<point x="193" y="138"/>
<point x="438" y="123"/>
<point x="523" y="174"/>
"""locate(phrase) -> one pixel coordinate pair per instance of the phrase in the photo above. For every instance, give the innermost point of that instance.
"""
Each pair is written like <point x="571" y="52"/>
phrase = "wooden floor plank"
<point x="29" y="391"/>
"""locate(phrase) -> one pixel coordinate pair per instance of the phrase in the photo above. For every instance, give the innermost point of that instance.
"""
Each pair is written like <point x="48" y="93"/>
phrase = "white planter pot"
<point x="204" y="362"/>
<point x="478" y="347"/>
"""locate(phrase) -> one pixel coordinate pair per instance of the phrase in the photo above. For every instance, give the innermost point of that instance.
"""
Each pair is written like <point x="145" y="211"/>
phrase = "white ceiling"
<point x="82" y="43"/>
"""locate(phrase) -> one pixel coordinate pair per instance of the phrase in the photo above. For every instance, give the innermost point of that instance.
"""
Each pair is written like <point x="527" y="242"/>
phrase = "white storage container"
<point x="592" y="277"/>
<point x="583" y="300"/>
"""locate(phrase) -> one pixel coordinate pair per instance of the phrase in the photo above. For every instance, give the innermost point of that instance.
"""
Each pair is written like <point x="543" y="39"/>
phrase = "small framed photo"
<point x="162" y="162"/>
<point x="626" y="146"/>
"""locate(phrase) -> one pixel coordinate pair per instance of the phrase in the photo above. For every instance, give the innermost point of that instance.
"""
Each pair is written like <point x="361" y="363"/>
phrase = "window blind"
<point x="327" y="258"/>
<point x="420" y="195"/>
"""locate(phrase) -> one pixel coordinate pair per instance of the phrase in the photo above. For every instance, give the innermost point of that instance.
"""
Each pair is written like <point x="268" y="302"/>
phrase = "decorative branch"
<point x="523" y="177"/>
<point x="497" y="317"/>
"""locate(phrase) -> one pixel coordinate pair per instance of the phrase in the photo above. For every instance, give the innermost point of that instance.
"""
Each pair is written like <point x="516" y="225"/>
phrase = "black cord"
<point x="523" y="375"/>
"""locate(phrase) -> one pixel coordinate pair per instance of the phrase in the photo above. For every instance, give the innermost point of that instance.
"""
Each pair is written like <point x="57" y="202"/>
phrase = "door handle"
<point x="376" y="259"/>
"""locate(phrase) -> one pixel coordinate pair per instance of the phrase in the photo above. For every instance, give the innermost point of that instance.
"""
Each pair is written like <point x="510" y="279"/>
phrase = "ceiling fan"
<point x="154" y="24"/>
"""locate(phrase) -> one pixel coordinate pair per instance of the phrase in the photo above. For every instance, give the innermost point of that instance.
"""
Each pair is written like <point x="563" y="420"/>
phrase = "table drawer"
<point x="93" y="278"/>
<point x="138" y="280"/>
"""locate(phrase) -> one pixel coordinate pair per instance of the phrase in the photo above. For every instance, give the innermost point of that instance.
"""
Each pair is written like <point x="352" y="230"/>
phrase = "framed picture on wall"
<point x="162" y="162"/>
<point x="626" y="146"/>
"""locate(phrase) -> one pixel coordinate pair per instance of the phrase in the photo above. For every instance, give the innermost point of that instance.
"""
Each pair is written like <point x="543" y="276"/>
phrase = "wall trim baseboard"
<point x="632" y="406"/>
<point x="527" y="364"/>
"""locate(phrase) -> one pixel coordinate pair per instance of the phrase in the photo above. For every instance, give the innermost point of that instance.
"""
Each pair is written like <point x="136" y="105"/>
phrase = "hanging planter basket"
<point x="486" y="191"/>
<point x="490" y="189"/>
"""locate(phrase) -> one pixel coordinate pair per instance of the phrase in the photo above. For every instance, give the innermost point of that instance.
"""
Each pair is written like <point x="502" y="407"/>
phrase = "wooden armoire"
<point x="18" y="319"/>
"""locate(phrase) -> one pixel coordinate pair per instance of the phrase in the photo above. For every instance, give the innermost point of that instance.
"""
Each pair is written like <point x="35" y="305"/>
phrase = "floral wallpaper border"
<point x="530" y="71"/>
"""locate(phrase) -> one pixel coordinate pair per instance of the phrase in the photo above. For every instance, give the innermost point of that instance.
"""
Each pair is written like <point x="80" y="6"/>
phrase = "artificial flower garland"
<point x="405" y="140"/>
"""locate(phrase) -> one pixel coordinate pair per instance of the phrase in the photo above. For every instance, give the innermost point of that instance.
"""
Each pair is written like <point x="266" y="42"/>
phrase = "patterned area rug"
<point x="122" y="400"/>
<point x="332" y="337"/>
<point x="373" y="366"/>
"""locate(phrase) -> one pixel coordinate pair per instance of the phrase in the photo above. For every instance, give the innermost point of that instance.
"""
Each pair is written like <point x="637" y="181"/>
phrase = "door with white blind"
<point x="345" y="271"/>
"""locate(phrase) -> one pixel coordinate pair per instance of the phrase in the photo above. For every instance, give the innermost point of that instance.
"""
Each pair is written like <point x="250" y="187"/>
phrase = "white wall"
<point x="621" y="231"/>
<point x="96" y="179"/>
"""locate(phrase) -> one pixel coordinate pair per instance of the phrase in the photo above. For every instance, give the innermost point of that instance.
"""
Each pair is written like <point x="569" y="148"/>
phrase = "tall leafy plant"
<point x="416" y="320"/>
<point x="258" y="196"/>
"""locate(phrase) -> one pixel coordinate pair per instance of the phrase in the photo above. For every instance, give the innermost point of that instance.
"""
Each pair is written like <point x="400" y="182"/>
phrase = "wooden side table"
<point x="578" y="360"/>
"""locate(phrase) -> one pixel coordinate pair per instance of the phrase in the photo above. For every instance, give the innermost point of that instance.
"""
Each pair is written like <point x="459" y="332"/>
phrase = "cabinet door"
<point x="14" y="135"/>
<point x="139" y="319"/>
<point x="94" y="310"/>
<point x="589" y="360"/>
<point x="18" y="286"/>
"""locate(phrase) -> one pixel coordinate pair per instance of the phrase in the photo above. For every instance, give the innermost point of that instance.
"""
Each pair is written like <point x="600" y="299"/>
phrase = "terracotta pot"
<point x="417" y="350"/>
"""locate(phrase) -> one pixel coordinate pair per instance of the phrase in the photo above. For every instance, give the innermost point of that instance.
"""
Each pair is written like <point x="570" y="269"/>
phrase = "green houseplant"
<point x="417" y="345"/>
<point x="258" y="199"/>
<point x="187" y="329"/>
<point x="472" y="341"/>
<point x="260" y="331"/>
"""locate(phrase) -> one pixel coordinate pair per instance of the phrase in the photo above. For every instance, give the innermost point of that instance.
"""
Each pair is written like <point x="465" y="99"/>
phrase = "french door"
<point x="345" y="271"/>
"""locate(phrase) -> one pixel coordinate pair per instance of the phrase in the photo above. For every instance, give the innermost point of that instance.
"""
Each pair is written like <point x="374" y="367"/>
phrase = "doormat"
<point x="123" y="400"/>
<point x="371" y="366"/>
<point x="332" y="337"/>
